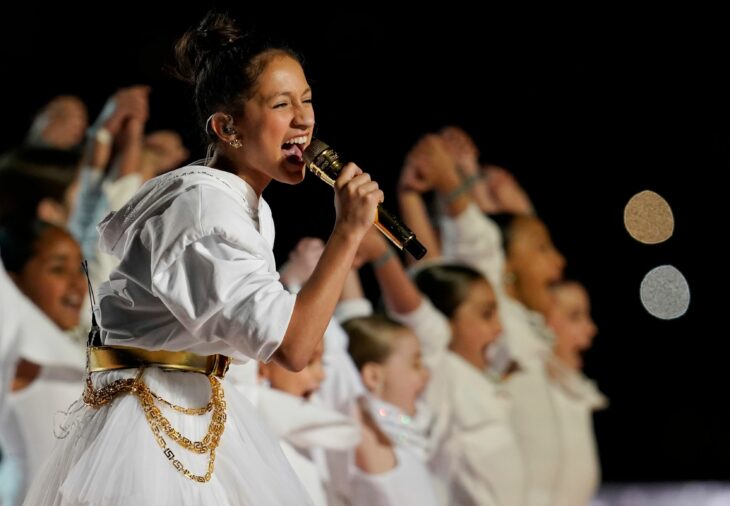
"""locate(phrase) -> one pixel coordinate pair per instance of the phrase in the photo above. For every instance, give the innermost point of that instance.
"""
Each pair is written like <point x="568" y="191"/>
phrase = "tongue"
<point x="292" y="151"/>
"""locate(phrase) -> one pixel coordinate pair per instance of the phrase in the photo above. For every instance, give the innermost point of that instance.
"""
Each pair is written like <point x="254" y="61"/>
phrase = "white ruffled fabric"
<point x="110" y="456"/>
<point x="410" y="432"/>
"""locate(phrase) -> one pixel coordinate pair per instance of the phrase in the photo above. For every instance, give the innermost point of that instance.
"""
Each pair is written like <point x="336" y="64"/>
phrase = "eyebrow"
<point x="59" y="256"/>
<point x="288" y="93"/>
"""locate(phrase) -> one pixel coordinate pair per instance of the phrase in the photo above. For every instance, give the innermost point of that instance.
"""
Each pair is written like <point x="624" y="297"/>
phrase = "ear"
<point x="222" y="125"/>
<point x="52" y="211"/>
<point x="373" y="376"/>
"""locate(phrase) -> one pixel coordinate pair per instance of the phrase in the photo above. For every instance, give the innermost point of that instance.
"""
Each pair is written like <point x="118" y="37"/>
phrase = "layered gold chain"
<point x="97" y="398"/>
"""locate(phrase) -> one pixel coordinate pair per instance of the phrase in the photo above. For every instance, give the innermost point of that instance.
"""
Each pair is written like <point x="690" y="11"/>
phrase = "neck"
<point x="256" y="179"/>
<point x="511" y="290"/>
<point x="571" y="360"/>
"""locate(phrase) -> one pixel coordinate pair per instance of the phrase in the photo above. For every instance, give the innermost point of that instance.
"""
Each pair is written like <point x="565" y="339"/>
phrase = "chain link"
<point x="158" y="423"/>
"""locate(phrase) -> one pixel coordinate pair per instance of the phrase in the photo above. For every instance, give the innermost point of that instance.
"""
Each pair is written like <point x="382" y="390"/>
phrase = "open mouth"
<point x="72" y="302"/>
<point x="293" y="149"/>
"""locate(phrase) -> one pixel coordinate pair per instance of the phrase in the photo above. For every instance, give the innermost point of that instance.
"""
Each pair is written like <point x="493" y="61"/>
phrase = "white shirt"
<point x="576" y="398"/>
<point x="474" y="239"/>
<point x="26" y="332"/>
<point x="28" y="417"/>
<point x="304" y="429"/>
<point x="196" y="257"/>
<point x="476" y="451"/>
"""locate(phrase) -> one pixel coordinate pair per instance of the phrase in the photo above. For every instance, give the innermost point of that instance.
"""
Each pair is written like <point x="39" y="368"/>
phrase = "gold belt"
<point x="109" y="358"/>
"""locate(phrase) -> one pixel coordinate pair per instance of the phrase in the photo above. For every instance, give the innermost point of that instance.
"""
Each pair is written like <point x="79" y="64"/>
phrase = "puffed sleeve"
<point x="222" y="290"/>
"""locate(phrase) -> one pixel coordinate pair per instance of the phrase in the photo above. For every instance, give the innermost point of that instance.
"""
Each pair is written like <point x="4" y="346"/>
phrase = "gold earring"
<point x="510" y="278"/>
<point x="235" y="143"/>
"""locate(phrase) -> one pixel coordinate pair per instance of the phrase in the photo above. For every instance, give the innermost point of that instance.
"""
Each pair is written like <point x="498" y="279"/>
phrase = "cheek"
<point x="44" y="290"/>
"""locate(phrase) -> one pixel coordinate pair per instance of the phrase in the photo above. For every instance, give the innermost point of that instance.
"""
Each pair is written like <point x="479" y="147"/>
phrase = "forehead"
<point x="480" y="291"/>
<point x="530" y="228"/>
<point x="54" y="241"/>
<point x="405" y="341"/>
<point x="571" y="294"/>
<point x="281" y="74"/>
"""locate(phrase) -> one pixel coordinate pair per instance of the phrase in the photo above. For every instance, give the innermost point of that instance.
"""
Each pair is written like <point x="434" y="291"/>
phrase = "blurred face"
<point x="53" y="278"/>
<point x="571" y="320"/>
<point x="276" y="124"/>
<point x="163" y="150"/>
<point x="63" y="122"/>
<point x="300" y="384"/>
<point x="535" y="263"/>
<point x="475" y="324"/>
<point x="404" y="377"/>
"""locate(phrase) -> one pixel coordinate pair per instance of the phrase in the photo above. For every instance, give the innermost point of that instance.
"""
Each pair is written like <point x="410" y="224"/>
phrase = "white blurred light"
<point x="665" y="292"/>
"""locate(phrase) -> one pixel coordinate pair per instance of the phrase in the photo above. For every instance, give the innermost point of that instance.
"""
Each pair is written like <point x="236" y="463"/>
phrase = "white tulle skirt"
<point x="110" y="457"/>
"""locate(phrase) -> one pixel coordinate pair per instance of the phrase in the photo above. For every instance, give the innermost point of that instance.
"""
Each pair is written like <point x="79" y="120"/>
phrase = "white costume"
<point x="576" y="398"/>
<point x="409" y="481"/>
<point x="305" y="429"/>
<point x="475" y="240"/>
<point x="476" y="453"/>
<point x="197" y="274"/>
<point x="27" y="416"/>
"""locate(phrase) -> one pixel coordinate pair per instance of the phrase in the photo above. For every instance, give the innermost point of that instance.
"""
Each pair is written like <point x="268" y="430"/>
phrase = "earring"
<point x="235" y="143"/>
<point x="510" y="278"/>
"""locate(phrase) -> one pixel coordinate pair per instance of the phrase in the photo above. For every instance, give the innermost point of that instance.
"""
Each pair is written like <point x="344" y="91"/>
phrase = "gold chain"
<point x="156" y="420"/>
<point x="180" y="409"/>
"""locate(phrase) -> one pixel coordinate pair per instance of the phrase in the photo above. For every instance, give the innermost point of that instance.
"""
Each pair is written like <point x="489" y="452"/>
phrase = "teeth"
<point x="297" y="140"/>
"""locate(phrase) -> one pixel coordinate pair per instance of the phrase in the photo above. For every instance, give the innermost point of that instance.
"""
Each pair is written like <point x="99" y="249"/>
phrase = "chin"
<point x="293" y="174"/>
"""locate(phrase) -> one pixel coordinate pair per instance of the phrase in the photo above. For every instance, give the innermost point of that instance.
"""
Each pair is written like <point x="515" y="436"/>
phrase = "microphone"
<point x="325" y="164"/>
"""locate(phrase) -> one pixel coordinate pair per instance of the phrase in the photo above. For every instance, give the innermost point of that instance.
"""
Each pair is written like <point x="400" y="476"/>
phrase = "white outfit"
<point x="576" y="398"/>
<point x="409" y="481"/>
<point x="476" y="453"/>
<point x="304" y="429"/>
<point x="197" y="274"/>
<point x="27" y="417"/>
<point x="475" y="240"/>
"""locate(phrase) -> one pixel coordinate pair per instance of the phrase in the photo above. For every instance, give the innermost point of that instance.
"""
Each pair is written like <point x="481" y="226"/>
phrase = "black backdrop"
<point x="586" y="109"/>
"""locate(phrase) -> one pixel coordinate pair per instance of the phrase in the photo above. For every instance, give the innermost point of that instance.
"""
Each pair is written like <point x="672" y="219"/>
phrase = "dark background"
<point x="586" y="109"/>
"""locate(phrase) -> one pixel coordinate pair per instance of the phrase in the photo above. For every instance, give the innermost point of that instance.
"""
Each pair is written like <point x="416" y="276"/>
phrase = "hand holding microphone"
<point x="324" y="162"/>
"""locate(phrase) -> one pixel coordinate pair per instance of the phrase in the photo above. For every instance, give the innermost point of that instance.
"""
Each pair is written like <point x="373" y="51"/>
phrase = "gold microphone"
<point x="325" y="164"/>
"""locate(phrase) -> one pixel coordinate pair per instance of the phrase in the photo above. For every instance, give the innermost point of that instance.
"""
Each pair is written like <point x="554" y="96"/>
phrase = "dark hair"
<point x="30" y="174"/>
<point x="505" y="222"/>
<point x="371" y="338"/>
<point x="222" y="64"/>
<point x="19" y="241"/>
<point x="447" y="286"/>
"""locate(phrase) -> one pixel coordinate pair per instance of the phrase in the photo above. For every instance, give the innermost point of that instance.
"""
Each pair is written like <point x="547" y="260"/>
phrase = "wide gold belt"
<point x="109" y="358"/>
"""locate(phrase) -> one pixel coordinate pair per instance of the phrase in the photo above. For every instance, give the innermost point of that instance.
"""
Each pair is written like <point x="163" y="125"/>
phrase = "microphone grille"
<point x="315" y="148"/>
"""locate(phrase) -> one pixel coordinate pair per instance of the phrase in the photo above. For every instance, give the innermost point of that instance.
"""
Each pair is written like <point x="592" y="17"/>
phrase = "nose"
<point x="593" y="328"/>
<point x="78" y="282"/>
<point x="304" y="116"/>
<point x="426" y="374"/>
<point x="497" y="329"/>
<point x="559" y="260"/>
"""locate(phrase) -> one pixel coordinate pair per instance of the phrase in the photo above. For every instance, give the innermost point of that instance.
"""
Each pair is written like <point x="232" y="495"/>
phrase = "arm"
<point x="356" y="201"/>
<point x="404" y="301"/>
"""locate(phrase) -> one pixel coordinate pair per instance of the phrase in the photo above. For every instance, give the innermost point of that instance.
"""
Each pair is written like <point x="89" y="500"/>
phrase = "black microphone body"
<point x="325" y="164"/>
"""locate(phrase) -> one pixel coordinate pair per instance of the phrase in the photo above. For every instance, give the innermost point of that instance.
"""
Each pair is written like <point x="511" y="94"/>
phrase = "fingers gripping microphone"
<point x="324" y="162"/>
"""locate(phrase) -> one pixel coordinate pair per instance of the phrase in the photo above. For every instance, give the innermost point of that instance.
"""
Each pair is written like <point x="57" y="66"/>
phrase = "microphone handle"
<point x="400" y="235"/>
